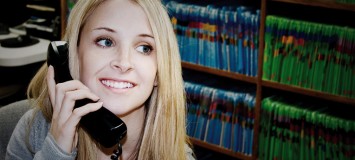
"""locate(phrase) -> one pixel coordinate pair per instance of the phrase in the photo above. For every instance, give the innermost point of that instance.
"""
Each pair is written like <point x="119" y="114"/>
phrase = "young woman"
<point x="124" y="56"/>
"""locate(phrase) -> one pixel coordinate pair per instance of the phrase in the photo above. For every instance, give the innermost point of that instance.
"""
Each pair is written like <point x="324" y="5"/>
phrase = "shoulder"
<point x="30" y="131"/>
<point x="22" y="113"/>
<point x="35" y="126"/>
<point x="9" y="116"/>
<point x="39" y="127"/>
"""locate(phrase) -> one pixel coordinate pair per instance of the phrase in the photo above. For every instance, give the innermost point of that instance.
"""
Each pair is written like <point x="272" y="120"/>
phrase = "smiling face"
<point x="117" y="56"/>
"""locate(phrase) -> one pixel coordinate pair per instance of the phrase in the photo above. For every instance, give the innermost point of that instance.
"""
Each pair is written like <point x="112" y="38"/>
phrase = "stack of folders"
<point x="220" y="117"/>
<point x="300" y="132"/>
<point x="310" y="55"/>
<point x="222" y="37"/>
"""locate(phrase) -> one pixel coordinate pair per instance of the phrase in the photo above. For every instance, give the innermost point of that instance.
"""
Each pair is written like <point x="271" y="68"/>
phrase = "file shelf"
<point x="309" y="92"/>
<point x="218" y="72"/>
<point x="216" y="148"/>
<point x="263" y="85"/>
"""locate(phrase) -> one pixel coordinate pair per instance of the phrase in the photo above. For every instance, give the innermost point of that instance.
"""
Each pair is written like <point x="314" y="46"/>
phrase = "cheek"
<point x="150" y="73"/>
<point x="88" y="66"/>
<point x="146" y="71"/>
<point x="147" y="67"/>
<point x="85" y="72"/>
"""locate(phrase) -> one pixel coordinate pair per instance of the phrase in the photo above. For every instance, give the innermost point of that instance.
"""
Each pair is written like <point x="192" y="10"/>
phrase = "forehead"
<point x="118" y="15"/>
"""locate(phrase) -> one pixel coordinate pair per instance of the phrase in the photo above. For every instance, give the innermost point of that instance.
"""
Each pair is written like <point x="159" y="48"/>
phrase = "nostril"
<point x="121" y="65"/>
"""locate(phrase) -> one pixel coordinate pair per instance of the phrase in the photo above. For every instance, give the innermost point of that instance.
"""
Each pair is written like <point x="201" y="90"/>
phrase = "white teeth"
<point x="118" y="85"/>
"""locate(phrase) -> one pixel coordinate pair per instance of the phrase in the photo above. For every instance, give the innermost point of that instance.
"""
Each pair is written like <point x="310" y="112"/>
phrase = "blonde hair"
<point x="165" y="117"/>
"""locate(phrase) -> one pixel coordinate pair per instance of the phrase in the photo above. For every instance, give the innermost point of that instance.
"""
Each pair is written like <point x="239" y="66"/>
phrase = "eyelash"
<point x="111" y="41"/>
<point x="150" y="49"/>
<point x="103" y="38"/>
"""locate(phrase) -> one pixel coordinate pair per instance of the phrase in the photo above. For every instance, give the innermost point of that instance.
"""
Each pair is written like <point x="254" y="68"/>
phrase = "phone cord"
<point x="117" y="153"/>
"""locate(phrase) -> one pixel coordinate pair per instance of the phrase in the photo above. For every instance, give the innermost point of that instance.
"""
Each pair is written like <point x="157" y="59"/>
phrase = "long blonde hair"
<point x="164" y="136"/>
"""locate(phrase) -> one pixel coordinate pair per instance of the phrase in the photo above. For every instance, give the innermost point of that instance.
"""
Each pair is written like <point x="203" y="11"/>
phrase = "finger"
<point x="62" y="88"/>
<point x="69" y="100"/>
<point x="73" y="85"/>
<point x="51" y="89"/>
<point x="75" y="117"/>
<point x="66" y="135"/>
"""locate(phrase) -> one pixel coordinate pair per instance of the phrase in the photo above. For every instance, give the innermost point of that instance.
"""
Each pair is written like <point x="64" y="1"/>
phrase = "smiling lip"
<point x="115" y="84"/>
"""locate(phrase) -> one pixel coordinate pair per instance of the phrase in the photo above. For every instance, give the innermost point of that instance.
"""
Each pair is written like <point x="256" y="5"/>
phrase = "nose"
<point x="122" y="62"/>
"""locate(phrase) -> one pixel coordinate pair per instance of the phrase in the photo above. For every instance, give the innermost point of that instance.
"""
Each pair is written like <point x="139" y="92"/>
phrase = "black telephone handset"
<point x="104" y="126"/>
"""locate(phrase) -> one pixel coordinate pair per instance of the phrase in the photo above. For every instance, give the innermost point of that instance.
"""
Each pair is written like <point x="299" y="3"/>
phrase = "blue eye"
<point x="104" y="42"/>
<point x="145" y="49"/>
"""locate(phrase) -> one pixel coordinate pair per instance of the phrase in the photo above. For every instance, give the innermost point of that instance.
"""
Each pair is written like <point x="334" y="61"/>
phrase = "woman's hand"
<point x="65" y="120"/>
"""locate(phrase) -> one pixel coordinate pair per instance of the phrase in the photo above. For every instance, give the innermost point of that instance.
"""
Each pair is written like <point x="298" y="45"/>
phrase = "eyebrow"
<point x="146" y="35"/>
<point x="113" y="31"/>
<point x="106" y="29"/>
